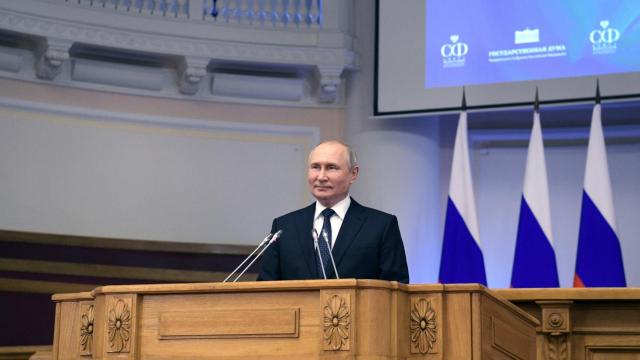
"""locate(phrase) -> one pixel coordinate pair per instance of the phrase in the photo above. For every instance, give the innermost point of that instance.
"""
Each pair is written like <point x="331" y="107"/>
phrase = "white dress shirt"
<point x="336" y="220"/>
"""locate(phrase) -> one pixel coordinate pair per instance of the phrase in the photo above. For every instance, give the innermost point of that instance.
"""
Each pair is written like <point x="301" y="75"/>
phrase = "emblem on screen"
<point x="527" y="36"/>
<point x="603" y="40"/>
<point x="453" y="53"/>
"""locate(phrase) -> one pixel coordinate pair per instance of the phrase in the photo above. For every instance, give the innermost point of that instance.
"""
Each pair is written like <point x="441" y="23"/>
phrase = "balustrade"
<point x="161" y="8"/>
<point x="276" y="13"/>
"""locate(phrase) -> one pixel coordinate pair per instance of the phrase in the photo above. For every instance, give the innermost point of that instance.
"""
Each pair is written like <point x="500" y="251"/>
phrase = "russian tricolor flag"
<point x="461" y="260"/>
<point x="599" y="259"/>
<point x="534" y="264"/>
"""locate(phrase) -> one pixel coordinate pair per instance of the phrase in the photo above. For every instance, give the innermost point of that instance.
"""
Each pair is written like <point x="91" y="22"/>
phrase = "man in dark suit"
<point x="365" y="243"/>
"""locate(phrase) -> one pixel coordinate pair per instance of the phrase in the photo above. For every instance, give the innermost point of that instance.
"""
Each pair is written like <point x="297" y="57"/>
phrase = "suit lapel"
<point x="305" y="225"/>
<point x="351" y="225"/>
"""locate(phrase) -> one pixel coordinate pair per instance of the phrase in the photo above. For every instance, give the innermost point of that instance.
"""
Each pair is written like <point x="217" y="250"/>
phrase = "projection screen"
<point x="501" y="50"/>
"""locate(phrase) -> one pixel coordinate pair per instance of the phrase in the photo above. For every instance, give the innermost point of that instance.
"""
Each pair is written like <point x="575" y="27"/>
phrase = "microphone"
<point x="264" y="241"/>
<point x="314" y="233"/>
<point x="326" y="239"/>
<point x="271" y="241"/>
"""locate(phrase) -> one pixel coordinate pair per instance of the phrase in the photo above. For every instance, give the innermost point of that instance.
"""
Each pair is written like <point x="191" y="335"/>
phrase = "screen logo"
<point x="453" y="53"/>
<point x="603" y="40"/>
<point x="527" y="36"/>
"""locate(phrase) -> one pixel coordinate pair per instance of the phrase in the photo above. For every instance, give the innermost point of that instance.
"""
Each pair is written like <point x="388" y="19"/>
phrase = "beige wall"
<point x="93" y="163"/>
<point x="330" y="121"/>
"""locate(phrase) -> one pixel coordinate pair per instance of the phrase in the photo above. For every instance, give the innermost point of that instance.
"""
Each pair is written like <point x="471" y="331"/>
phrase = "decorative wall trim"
<point x="50" y="56"/>
<point x="192" y="71"/>
<point x="42" y="287"/>
<point x="243" y="130"/>
<point x="122" y="244"/>
<point x="113" y="271"/>
<point x="184" y="51"/>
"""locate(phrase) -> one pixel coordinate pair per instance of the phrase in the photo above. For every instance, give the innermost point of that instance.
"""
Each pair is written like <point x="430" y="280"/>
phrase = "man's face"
<point x="329" y="175"/>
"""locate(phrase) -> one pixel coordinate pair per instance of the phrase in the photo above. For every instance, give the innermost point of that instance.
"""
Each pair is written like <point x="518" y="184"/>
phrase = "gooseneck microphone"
<point x="326" y="239"/>
<point x="268" y="243"/>
<point x="314" y="233"/>
<point x="262" y="243"/>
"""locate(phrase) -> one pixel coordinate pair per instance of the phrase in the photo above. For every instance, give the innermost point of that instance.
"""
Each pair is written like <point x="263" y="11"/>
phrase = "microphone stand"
<point x="314" y="233"/>
<point x="273" y="239"/>
<point x="264" y="241"/>
<point x="326" y="239"/>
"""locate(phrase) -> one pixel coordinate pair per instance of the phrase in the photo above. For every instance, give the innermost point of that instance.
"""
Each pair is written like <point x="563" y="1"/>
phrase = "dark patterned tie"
<point x="324" y="248"/>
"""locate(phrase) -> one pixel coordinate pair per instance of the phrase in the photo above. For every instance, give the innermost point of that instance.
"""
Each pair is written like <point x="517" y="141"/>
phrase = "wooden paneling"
<point x="606" y="317"/>
<point x="230" y="323"/>
<point x="583" y="324"/>
<point x="373" y="322"/>
<point x="154" y="346"/>
<point x="23" y="352"/>
<point x="505" y="336"/>
<point x="67" y="334"/>
<point x="457" y="327"/>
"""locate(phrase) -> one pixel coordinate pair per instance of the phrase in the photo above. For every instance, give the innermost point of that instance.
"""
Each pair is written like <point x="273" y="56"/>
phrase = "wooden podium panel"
<point x="583" y="324"/>
<point x="312" y="319"/>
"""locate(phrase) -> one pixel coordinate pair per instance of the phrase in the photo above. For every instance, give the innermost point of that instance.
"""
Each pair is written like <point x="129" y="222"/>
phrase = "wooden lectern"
<point x="312" y="319"/>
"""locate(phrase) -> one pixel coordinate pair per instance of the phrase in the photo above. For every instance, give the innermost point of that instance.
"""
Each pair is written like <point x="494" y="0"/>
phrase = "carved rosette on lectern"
<point x="119" y="324"/>
<point x="426" y="324"/>
<point x="336" y="325"/>
<point x="86" y="327"/>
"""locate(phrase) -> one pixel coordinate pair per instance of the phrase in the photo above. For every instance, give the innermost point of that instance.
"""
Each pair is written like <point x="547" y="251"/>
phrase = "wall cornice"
<point x="294" y="50"/>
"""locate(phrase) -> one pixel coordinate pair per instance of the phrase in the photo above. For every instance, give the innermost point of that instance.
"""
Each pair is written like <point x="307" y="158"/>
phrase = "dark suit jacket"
<point x="368" y="246"/>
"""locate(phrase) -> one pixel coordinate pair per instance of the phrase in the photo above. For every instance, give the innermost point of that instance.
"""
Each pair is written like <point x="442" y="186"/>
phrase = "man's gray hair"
<point x="353" y="160"/>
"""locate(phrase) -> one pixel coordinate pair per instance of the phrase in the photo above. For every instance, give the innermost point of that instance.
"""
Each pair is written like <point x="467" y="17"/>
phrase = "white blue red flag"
<point x="462" y="260"/>
<point x="534" y="263"/>
<point x="599" y="259"/>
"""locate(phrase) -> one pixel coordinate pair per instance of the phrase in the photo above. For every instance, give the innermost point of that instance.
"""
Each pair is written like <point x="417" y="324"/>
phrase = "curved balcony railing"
<point x="161" y="8"/>
<point x="285" y="13"/>
<point x="262" y="12"/>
